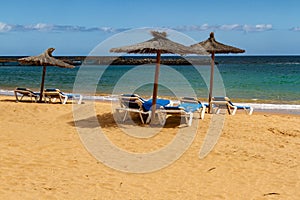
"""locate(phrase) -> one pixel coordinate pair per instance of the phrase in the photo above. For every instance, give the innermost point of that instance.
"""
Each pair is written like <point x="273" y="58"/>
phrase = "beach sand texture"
<point x="42" y="157"/>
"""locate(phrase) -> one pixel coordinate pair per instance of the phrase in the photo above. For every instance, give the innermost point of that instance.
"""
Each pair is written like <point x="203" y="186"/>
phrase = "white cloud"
<point x="38" y="27"/>
<point x="227" y="27"/>
<point x="257" y="28"/>
<point x="295" y="29"/>
<point x="5" y="27"/>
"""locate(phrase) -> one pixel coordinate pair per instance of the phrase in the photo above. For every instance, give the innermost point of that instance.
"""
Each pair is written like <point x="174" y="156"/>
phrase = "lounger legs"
<point x="162" y="118"/>
<point x="126" y="115"/>
<point x="202" y="113"/>
<point x="65" y="100"/>
<point x="234" y="110"/>
<point x="249" y="111"/>
<point x="17" y="98"/>
<point x="141" y="116"/>
<point x="148" y="118"/>
<point x="190" y="119"/>
<point x="80" y="99"/>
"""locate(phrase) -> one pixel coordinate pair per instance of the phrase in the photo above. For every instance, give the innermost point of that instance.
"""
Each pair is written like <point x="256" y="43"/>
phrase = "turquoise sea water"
<point x="266" y="78"/>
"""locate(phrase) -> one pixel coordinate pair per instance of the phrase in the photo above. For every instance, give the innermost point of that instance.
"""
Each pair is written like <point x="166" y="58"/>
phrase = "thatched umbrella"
<point x="213" y="47"/>
<point x="157" y="45"/>
<point x="45" y="59"/>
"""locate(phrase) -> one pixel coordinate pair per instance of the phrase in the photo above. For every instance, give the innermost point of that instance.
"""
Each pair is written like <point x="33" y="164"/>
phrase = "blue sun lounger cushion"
<point x="190" y="107"/>
<point x="191" y="104"/>
<point x="159" y="103"/>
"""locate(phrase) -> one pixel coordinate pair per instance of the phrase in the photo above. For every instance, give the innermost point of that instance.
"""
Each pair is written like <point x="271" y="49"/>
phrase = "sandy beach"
<point x="42" y="157"/>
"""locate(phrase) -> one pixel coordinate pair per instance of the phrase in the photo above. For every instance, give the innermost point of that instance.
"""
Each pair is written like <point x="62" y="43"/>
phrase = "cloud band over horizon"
<point x="43" y="27"/>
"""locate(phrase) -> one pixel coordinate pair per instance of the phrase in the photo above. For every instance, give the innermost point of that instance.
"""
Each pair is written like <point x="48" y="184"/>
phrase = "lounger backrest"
<point x="131" y="101"/>
<point x="219" y="98"/>
<point x="52" y="90"/>
<point x="23" y="90"/>
<point x="189" y="100"/>
<point x="223" y="99"/>
<point x="222" y="102"/>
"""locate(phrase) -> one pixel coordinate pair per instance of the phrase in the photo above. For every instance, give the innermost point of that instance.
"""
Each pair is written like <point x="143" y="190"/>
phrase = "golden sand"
<point x="42" y="157"/>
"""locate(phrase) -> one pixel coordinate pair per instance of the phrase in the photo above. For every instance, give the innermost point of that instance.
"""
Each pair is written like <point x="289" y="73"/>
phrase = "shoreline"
<point x="10" y="92"/>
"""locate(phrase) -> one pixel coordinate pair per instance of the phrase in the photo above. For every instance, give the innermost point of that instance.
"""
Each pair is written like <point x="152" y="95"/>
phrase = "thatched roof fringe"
<point x="45" y="58"/>
<point x="213" y="46"/>
<point x="159" y="42"/>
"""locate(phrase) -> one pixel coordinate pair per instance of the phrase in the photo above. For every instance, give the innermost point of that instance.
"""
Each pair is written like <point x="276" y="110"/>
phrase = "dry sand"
<point x="42" y="157"/>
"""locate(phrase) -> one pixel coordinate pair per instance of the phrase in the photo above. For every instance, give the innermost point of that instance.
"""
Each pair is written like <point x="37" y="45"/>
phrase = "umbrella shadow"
<point x="173" y="122"/>
<point x="107" y="120"/>
<point x="103" y="120"/>
<point x="9" y="100"/>
<point x="23" y="101"/>
<point x="30" y="101"/>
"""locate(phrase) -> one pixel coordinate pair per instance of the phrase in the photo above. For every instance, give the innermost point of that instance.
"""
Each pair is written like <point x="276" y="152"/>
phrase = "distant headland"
<point x="113" y="60"/>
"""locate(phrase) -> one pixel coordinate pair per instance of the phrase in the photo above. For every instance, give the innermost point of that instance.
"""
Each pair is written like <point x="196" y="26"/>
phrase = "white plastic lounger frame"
<point x="225" y="103"/>
<point x="132" y="104"/>
<point x="183" y="110"/>
<point x="67" y="97"/>
<point x="25" y="92"/>
<point x="50" y="95"/>
<point x="163" y="114"/>
<point x="201" y="110"/>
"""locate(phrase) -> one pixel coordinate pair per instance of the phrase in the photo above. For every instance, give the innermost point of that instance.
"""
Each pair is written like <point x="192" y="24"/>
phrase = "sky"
<point x="76" y="27"/>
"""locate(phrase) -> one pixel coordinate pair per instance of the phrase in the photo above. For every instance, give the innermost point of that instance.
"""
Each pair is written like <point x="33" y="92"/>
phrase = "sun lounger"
<point x="25" y="92"/>
<point x="50" y="95"/>
<point x="132" y="103"/>
<point x="225" y="103"/>
<point x="193" y="105"/>
<point x="187" y="107"/>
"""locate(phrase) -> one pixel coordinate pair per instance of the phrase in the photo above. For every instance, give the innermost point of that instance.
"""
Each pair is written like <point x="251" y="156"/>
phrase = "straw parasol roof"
<point x="159" y="44"/>
<point x="212" y="46"/>
<point x="44" y="59"/>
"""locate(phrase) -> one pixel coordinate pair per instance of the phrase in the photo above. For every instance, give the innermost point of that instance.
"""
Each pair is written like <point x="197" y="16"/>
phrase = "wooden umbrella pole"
<point x="155" y="85"/>
<point x="211" y="84"/>
<point x="42" y="84"/>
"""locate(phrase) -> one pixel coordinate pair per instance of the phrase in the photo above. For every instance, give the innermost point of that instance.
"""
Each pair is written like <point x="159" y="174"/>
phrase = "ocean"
<point x="251" y="79"/>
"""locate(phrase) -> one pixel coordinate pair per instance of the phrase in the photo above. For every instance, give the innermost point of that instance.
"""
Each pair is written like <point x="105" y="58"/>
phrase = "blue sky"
<point x="75" y="27"/>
